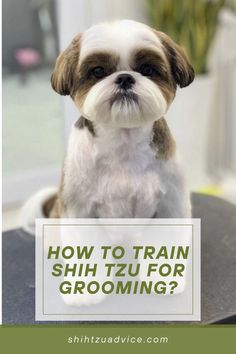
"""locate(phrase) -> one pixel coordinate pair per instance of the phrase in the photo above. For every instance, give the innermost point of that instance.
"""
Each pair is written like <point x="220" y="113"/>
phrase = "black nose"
<point x="125" y="81"/>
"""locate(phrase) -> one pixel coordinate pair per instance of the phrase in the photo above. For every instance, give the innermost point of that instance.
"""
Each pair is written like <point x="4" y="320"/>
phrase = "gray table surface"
<point x="218" y="263"/>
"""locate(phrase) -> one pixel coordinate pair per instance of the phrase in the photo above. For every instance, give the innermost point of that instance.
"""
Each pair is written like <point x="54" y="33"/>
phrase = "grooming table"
<point x="218" y="263"/>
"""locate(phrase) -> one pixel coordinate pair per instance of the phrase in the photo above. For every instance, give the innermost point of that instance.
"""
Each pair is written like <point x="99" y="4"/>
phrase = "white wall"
<point x="223" y="64"/>
<point x="75" y="16"/>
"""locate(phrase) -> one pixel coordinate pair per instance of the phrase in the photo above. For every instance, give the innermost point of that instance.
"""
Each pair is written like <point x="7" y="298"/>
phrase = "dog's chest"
<point x="119" y="180"/>
<point x="126" y="191"/>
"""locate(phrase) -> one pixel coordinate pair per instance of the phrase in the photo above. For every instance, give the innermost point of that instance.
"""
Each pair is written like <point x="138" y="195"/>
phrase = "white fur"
<point x="32" y="209"/>
<point x="152" y="105"/>
<point x="117" y="175"/>
<point x="120" y="38"/>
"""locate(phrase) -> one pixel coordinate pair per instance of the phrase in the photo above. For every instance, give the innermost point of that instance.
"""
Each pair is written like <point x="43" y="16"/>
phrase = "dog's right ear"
<point x="182" y="70"/>
<point x="62" y="78"/>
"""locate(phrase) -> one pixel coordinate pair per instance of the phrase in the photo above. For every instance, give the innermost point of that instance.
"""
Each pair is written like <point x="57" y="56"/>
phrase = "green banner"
<point x="117" y="338"/>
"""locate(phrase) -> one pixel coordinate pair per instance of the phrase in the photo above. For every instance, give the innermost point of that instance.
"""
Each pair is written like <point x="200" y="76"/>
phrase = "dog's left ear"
<point x="182" y="70"/>
<point x="63" y="75"/>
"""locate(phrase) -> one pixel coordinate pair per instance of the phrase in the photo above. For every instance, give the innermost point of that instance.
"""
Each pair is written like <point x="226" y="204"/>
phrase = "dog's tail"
<point x="37" y="206"/>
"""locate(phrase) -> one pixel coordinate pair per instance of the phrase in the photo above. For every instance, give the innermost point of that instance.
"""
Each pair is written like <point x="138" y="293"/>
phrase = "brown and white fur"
<point x="121" y="159"/>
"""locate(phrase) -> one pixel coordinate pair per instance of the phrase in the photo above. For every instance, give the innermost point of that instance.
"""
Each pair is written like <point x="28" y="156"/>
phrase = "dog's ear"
<point x="182" y="70"/>
<point x="62" y="78"/>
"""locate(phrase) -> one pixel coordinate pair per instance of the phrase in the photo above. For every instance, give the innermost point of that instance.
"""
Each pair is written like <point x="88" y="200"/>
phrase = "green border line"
<point x="115" y="314"/>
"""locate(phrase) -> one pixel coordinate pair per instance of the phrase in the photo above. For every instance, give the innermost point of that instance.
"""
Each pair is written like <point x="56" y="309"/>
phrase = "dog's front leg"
<point x="175" y="203"/>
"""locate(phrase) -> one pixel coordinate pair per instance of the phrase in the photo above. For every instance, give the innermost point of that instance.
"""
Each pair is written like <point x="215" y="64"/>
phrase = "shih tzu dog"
<point x="121" y="159"/>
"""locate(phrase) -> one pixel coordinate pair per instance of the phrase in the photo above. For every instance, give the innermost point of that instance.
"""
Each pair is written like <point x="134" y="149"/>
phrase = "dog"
<point x="121" y="160"/>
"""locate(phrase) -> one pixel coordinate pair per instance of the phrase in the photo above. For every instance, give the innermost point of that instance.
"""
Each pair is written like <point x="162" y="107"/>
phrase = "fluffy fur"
<point x="121" y="159"/>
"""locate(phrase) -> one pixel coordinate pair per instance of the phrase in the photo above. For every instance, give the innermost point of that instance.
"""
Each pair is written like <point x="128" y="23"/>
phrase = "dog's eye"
<point x="146" y="70"/>
<point x="98" y="72"/>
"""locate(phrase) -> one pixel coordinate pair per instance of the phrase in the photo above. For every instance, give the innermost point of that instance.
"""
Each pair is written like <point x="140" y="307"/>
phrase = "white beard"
<point x="151" y="103"/>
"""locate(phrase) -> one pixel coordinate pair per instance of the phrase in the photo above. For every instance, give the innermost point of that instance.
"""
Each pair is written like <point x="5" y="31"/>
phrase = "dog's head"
<point x="122" y="73"/>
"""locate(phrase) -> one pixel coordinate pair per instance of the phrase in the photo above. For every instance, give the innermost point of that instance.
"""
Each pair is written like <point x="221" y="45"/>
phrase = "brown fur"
<point x="57" y="209"/>
<point x="85" y="79"/>
<point x="162" y="142"/>
<point x="69" y="78"/>
<point x="163" y="75"/>
<point x="182" y="70"/>
<point x="54" y="206"/>
<point x="64" y="74"/>
<point x="82" y="123"/>
<point x="48" y="205"/>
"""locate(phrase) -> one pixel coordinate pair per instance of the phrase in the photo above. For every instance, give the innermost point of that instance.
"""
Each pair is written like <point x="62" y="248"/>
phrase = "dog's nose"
<point x="125" y="81"/>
